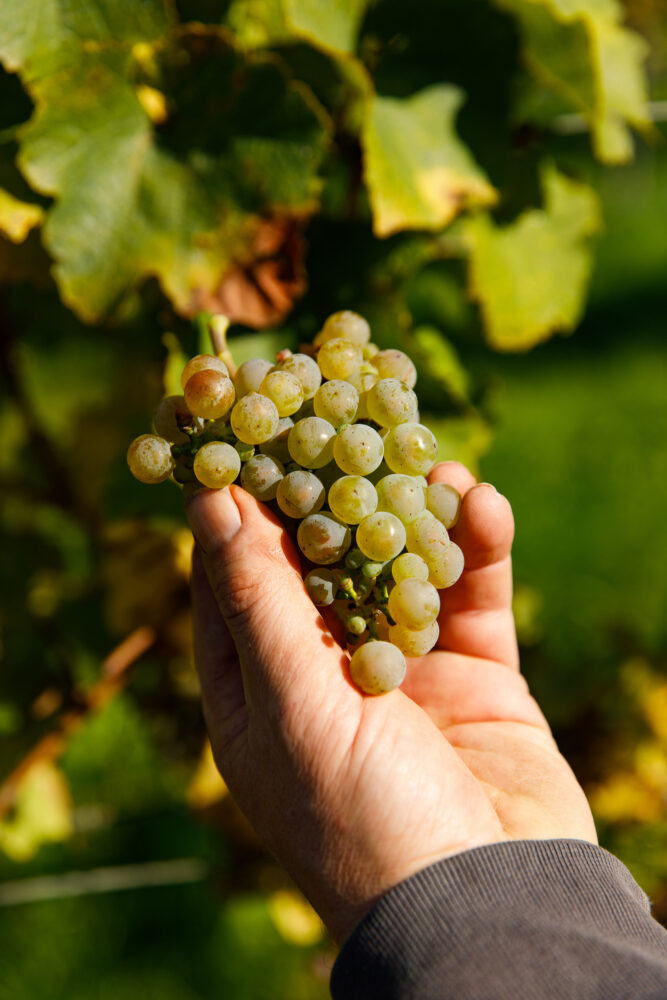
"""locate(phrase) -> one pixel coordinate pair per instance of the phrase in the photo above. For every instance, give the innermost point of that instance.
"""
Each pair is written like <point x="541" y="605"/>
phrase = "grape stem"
<point x="217" y="328"/>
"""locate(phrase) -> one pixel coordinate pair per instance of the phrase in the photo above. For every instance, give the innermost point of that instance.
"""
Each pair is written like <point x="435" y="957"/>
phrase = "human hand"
<point x="354" y="793"/>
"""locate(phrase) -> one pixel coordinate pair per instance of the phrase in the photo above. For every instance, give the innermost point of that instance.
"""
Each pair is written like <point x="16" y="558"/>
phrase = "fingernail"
<point x="488" y="484"/>
<point x="213" y="517"/>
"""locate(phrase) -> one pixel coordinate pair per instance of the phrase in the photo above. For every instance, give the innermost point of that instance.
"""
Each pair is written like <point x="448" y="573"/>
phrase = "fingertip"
<point x="454" y="474"/>
<point x="213" y="516"/>
<point x="485" y="529"/>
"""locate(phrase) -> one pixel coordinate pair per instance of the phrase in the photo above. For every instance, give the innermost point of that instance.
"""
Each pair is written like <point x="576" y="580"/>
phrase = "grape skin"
<point x="409" y="566"/>
<point x="426" y="536"/>
<point x="336" y="401"/>
<point x="171" y="415"/>
<point x="378" y="667"/>
<point x="322" y="585"/>
<point x="413" y="642"/>
<point x="311" y="442"/>
<point x="351" y="498"/>
<point x="323" y="539"/>
<point x="396" y="364"/>
<point x="402" y="496"/>
<point x="300" y="493"/>
<point x="306" y="370"/>
<point x="217" y="465"/>
<point x="446" y="567"/>
<point x="260" y="477"/>
<point x="202" y="362"/>
<point x="347" y="325"/>
<point x="284" y="389"/>
<point x="358" y="449"/>
<point x="149" y="458"/>
<point x="414" y="603"/>
<point x="411" y="449"/>
<point x="381" y="536"/>
<point x="250" y="375"/>
<point x="390" y="402"/>
<point x="444" y="502"/>
<point x="339" y="358"/>
<point x="209" y="394"/>
<point x="276" y="446"/>
<point x="254" y="418"/>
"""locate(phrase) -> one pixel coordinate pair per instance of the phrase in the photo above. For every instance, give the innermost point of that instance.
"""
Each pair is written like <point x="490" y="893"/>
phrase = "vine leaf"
<point x="328" y="24"/>
<point x="418" y="172"/>
<point x="18" y="217"/>
<point x="530" y="277"/>
<point x="579" y="50"/>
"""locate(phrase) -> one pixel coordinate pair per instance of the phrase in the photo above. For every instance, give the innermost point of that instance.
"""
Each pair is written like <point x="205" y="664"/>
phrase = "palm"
<point x="460" y="756"/>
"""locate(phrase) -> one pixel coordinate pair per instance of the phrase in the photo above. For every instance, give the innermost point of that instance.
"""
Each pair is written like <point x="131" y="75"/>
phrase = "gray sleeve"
<point x="532" y="919"/>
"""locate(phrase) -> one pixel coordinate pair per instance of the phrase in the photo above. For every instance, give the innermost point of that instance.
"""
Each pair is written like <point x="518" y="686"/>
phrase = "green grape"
<point x="260" y="476"/>
<point x="355" y="559"/>
<point x="414" y="603"/>
<point x="149" y="458"/>
<point x="254" y="418"/>
<point x="339" y="358"/>
<point x="306" y="370"/>
<point x="250" y="375"/>
<point x="202" y="362"/>
<point x="372" y="570"/>
<point x="276" y="446"/>
<point x="358" y="449"/>
<point x="209" y="394"/>
<point x="323" y="539"/>
<point x="414" y="643"/>
<point x="322" y="585"/>
<point x="369" y="351"/>
<point x="381" y="536"/>
<point x="311" y="442"/>
<point x="390" y="402"/>
<point x="246" y="451"/>
<point x="171" y="415"/>
<point x="346" y="325"/>
<point x="444" y="502"/>
<point x="356" y="625"/>
<point x="300" y="493"/>
<point x="352" y="498"/>
<point x="446" y="566"/>
<point x="336" y="401"/>
<point x="284" y="389"/>
<point x="409" y="566"/>
<point x="402" y="496"/>
<point x="426" y="536"/>
<point x="364" y="379"/>
<point x="396" y="364"/>
<point x="410" y="449"/>
<point x="217" y="464"/>
<point x="377" y="667"/>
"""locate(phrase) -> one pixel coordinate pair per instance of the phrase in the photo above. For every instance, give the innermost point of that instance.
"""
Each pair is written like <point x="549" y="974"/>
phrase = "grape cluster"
<point x="331" y="438"/>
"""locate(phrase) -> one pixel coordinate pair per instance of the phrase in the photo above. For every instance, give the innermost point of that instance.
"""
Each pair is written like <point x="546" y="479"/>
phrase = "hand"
<point x="354" y="793"/>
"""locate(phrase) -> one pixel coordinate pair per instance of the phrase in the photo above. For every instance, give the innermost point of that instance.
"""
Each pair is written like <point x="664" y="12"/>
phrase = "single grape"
<point x="284" y="389"/>
<point x="369" y="351"/>
<point x="371" y="570"/>
<point x="414" y="643"/>
<point x="254" y="418"/>
<point x="171" y="415"/>
<point x="364" y="379"/>
<point x="355" y="559"/>
<point x="250" y="375"/>
<point x="149" y="458"/>
<point x="402" y="496"/>
<point x="323" y="539"/>
<point x="300" y="493"/>
<point x="358" y="449"/>
<point x="396" y="364"/>
<point x="390" y="402"/>
<point x="336" y="401"/>
<point x="311" y="442"/>
<point x="444" y="502"/>
<point x="414" y="603"/>
<point x="261" y="475"/>
<point x="276" y="446"/>
<point x="411" y="449"/>
<point x="377" y="667"/>
<point x="306" y="370"/>
<point x="217" y="464"/>
<point x="203" y="362"/>
<point x="351" y="498"/>
<point x="322" y="585"/>
<point x="381" y="536"/>
<point x="339" y="358"/>
<point x="356" y="625"/>
<point x="347" y="325"/>
<point x="209" y="394"/>
<point x="426" y="536"/>
<point x="446" y="566"/>
<point x="409" y="566"/>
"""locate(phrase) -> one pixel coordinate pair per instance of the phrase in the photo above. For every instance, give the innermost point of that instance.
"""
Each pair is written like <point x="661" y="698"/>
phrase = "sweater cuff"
<point x="533" y="918"/>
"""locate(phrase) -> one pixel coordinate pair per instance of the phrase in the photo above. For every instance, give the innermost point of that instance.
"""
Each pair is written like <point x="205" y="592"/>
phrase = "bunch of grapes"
<point x="332" y="439"/>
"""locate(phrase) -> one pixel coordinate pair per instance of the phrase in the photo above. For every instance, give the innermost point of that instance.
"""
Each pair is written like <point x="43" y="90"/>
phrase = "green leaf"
<point x="258" y="23"/>
<point x="531" y="276"/>
<point x="329" y="24"/>
<point x="18" y="217"/>
<point x="430" y="349"/>
<point x="579" y="50"/>
<point x="42" y="814"/>
<point x="418" y="172"/>
<point x="179" y="204"/>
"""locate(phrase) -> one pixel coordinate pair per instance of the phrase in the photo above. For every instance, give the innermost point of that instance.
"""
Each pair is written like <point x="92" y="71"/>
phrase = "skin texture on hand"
<point x="354" y="793"/>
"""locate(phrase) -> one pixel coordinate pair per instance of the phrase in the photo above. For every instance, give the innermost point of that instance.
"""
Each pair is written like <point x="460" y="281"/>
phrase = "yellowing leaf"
<point x="329" y="24"/>
<point x="18" y="217"/>
<point x="295" y="918"/>
<point x="530" y="277"/>
<point x="580" y="50"/>
<point x="419" y="173"/>
<point x="42" y="813"/>
<point x="625" y="798"/>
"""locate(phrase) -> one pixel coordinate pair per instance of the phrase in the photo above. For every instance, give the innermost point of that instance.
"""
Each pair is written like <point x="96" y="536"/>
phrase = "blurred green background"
<point x="276" y="162"/>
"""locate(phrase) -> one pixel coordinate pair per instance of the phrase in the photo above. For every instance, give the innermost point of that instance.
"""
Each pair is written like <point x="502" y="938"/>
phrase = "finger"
<point x="216" y="661"/>
<point x="284" y="646"/>
<point x="454" y="474"/>
<point x="476" y="613"/>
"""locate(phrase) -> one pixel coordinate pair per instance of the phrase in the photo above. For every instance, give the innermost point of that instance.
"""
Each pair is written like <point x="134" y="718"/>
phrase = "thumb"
<point x="253" y="568"/>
